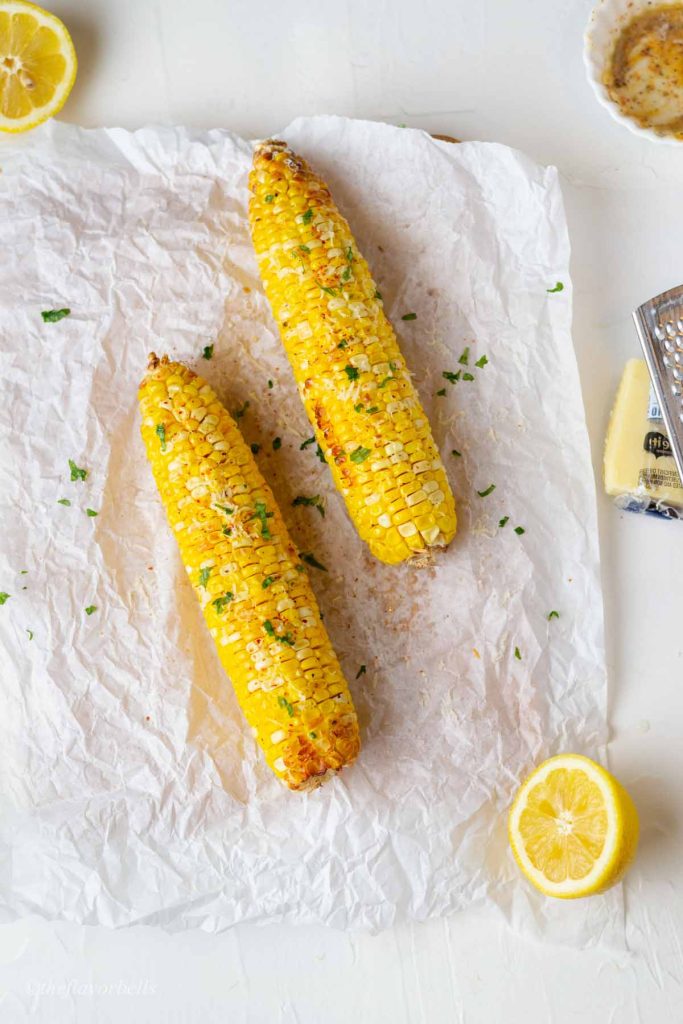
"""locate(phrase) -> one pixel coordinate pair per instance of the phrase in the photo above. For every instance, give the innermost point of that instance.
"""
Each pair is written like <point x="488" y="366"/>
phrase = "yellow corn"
<point x="351" y="375"/>
<point x="253" y="589"/>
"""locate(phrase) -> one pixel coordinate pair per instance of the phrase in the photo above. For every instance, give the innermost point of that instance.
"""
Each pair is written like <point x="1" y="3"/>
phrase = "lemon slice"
<point x="37" y="65"/>
<point x="573" y="828"/>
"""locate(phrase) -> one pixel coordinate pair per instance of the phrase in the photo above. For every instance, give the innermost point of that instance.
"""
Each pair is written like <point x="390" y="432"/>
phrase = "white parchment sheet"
<point x="131" y="789"/>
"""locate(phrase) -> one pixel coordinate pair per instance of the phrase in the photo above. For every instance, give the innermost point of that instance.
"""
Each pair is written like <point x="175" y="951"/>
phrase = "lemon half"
<point x="573" y="828"/>
<point x="37" y="65"/>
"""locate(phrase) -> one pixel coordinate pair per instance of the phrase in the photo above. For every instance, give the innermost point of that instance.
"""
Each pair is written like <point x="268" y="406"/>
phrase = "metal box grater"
<point x="659" y="323"/>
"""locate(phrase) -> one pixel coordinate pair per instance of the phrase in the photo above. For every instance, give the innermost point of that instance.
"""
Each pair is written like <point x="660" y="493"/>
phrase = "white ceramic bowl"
<point x="607" y="19"/>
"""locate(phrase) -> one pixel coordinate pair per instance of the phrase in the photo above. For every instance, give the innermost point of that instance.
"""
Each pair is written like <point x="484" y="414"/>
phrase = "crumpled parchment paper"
<point x="132" y="790"/>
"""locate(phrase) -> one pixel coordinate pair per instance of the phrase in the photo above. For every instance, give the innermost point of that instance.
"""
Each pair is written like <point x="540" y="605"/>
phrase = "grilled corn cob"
<point x="348" y="367"/>
<point x="253" y="589"/>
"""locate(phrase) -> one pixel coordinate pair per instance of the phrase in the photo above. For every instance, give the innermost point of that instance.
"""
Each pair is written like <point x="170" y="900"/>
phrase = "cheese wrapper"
<point x="639" y="469"/>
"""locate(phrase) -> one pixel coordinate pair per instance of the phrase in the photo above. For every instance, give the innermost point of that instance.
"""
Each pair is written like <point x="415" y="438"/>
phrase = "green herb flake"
<point x="349" y="254"/>
<point x="204" y="576"/>
<point x="351" y="372"/>
<point x="304" y="248"/>
<point x="313" y="735"/>
<point x="23" y="572"/>
<point x="306" y="443"/>
<point x="320" y="455"/>
<point x="315" y="502"/>
<point x="51" y="316"/>
<point x="63" y="501"/>
<point x="343" y="344"/>
<point x="468" y="376"/>
<point x="489" y="490"/>
<point x="277" y="444"/>
<point x="91" y="512"/>
<point x="239" y="413"/>
<point x="361" y="671"/>
<point x="451" y="377"/>
<point x="330" y="291"/>
<point x="227" y="531"/>
<point x="4" y="597"/>
<point x="90" y="609"/>
<point x="465" y="357"/>
<point x="559" y="287"/>
<point x="373" y="409"/>
<point x="386" y="380"/>
<point x="219" y="603"/>
<point x="207" y="352"/>
<point x="270" y="385"/>
<point x="76" y="473"/>
<point x="284" y="638"/>
<point x="441" y="393"/>
<point x="311" y="560"/>
<point x="346" y="274"/>
<point x="359" y="407"/>
<point x="269" y="198"/>
<point x="30" y="634"/>
<point x="504" y="521"/>
<point x="268" y="582"/>
<point x="457" y="454"/>
<point x="409" y="316"/>
<point x="284" y="703"/>
<point x="481" y="362"/>
<point x="519" y="530"/>
<point x="359" y="454"/>
<point x="261" y="513"/>
<point x="518" y="655"/>
<point x="255" y="448"/>
<point x="225" y="508"/>
<point x="378" y="295"/>
<point x="553" y="615"/>
<point x="307" y="217"/>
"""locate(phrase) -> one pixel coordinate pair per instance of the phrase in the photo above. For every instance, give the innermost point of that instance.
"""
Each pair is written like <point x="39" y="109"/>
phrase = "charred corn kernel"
<point x="232" y="538"/>
<point x="345" y="357"/>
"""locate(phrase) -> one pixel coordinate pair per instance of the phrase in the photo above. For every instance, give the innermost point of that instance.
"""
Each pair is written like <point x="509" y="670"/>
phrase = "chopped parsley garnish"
<point x="227" y="531"/>
<point x="310" y="559"/>
<point x="270" y="385"/>
<point x="30" y="634"/>
<point x="378" y="295"/>
<point x="319" y="453"/>
<point x="207" y="352"/>
<point x="305" y="444"/>
<point x="204" y="575"/>
<point x="518" y="655"/>
<point x="63" y="501"/>
<point x="160" y="431"/>
<point x="284" y="703"/>
<point x="307" y="217"/>
<point x="304" y="248"/>
<point x="330" y="291"/>
<point x="359" y="454"/>
<point x="481" y="362"/>
<point x="285" y="638"/>
<point x="359" y="407"/>
<point x="51" y="316"/>
<point x="361" y="671"/>
<point x="225" y="508"/>
<point x="386" y="380"/>
<point x="277" y="444"/>
<point x="349" y="254"/>
<point x="468" y="376"/>
<point x="465" y="357"/>
<point x="4" y="596"/>
<point x="90" y="609"/>
<point x="239" y="413"/>
<point x="519" y="530"/>
<point x="76" y="473"/>
<point x="23" y="572"/>
<point x="219" y="603"/>
<point x="262" y="514"/>
<point x="441" y="393"/>
<point x="351" y="372"/>
<point x="455" y="452"/>
<point x="372" y="409"/>
<point x="489" y="490"/>
<point x="91" y="512"/>
<point x="313" y="735"/>
<point x="504" y="521"/>
<point x="268" y="581"/>
<point x="269" y="198"/>
<point x="559" y="287"/>
<point x="255" y="448"/>
<point x="343" y="344"/>
<point x="346" y="274"/>
<point x="451" y="377"/>
<point x="409" y="316"/>
<point x="553" y="615"/>
<point x="315" y="502"/>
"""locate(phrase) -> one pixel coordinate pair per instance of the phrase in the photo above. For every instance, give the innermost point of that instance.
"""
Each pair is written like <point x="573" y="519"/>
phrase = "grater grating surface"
<point x="659" y="323"/>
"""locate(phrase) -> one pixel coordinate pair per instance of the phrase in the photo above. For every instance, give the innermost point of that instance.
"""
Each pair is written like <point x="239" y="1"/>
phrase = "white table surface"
<point x="482" y="69"/>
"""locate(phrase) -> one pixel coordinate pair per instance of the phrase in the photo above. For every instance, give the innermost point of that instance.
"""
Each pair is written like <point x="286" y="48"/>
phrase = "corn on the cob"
<point x="350" y="372"/>
<point x="254" y="591"/>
